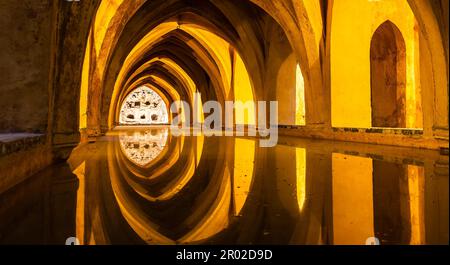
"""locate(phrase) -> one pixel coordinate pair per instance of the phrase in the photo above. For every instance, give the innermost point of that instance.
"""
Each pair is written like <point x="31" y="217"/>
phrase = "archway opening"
<point x="388" y="77"/>
<point x="143" y="106"/>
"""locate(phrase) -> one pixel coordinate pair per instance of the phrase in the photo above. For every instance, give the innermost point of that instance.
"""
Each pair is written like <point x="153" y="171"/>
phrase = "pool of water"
<point x="145" y="186"/>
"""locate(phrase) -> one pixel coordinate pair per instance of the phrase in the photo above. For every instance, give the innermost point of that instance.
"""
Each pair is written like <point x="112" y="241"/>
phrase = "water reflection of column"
<point x="280" y="195"/>
<point x="398" y="203"/>
<point x="251" y="219"/>
<point x="315" y="219"/>
<point x="62" y="204"/>
<point x="24" y="213"/>
<point x="80" y="171"/>
<point x="94" y="232"/>
<point x="416" y="185"/>
<point x="436" y="202"/>
<point x="391" y="202"/>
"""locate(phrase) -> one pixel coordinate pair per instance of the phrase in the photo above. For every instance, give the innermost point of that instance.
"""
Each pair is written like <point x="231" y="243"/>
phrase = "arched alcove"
<point x="143" y="106"/>
<point x="388" y="77"/>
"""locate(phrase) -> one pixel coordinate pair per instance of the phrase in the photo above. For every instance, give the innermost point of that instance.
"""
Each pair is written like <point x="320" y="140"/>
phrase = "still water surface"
<point x="145" y="186"/>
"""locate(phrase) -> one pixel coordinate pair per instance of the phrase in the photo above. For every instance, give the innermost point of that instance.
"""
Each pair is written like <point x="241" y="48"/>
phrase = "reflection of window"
<point x="143" y="147"/>
<point x="143" y="106"/>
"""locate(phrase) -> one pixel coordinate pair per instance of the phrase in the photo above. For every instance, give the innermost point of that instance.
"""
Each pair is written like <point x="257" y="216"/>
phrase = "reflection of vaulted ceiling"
<point x="182" y="195"/>
<point x="175" y="47"/>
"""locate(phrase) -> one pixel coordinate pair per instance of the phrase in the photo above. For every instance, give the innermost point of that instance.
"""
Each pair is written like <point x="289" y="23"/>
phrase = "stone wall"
<point x="25" y="52"/>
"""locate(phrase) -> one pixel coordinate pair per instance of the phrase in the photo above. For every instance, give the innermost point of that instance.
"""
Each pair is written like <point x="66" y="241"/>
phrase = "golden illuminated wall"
<point x="352" y="27"/>
<point x="416" y="181"/>
<point x="289" y="177"/>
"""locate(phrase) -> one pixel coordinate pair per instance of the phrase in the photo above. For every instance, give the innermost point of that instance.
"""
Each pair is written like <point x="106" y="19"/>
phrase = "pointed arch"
<point x="388" y="77"/>
<point x="143" y="106"/>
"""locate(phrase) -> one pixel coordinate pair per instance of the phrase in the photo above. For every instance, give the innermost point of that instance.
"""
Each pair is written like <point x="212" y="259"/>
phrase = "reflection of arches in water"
<point x="174" y="167"/>
<point x="143" y="106"/>
<point x="142" y="148"/>
<point x="210" y="210"/>
<point x="386" y="204"/>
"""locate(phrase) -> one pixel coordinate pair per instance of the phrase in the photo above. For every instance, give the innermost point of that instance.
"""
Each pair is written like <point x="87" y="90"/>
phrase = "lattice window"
<point x="143" y="106"/>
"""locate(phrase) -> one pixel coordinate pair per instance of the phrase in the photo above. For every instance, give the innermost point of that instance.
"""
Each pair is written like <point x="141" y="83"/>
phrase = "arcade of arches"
<point x="362" y="92"/>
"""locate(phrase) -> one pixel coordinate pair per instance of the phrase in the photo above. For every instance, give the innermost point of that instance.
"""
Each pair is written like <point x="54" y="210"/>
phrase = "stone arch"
<point x="433" y="65"/>
<point x="223" y="18"/>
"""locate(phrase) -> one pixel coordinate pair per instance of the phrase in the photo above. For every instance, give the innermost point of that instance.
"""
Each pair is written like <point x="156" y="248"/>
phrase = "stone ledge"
<point x="16" y="142"/>
<point x="385" y="136"/>
<point x="397" y="131"/>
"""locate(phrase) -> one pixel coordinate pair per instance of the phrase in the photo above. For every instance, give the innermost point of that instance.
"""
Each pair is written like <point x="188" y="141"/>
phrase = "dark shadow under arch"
<point x="388" y="77"/>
